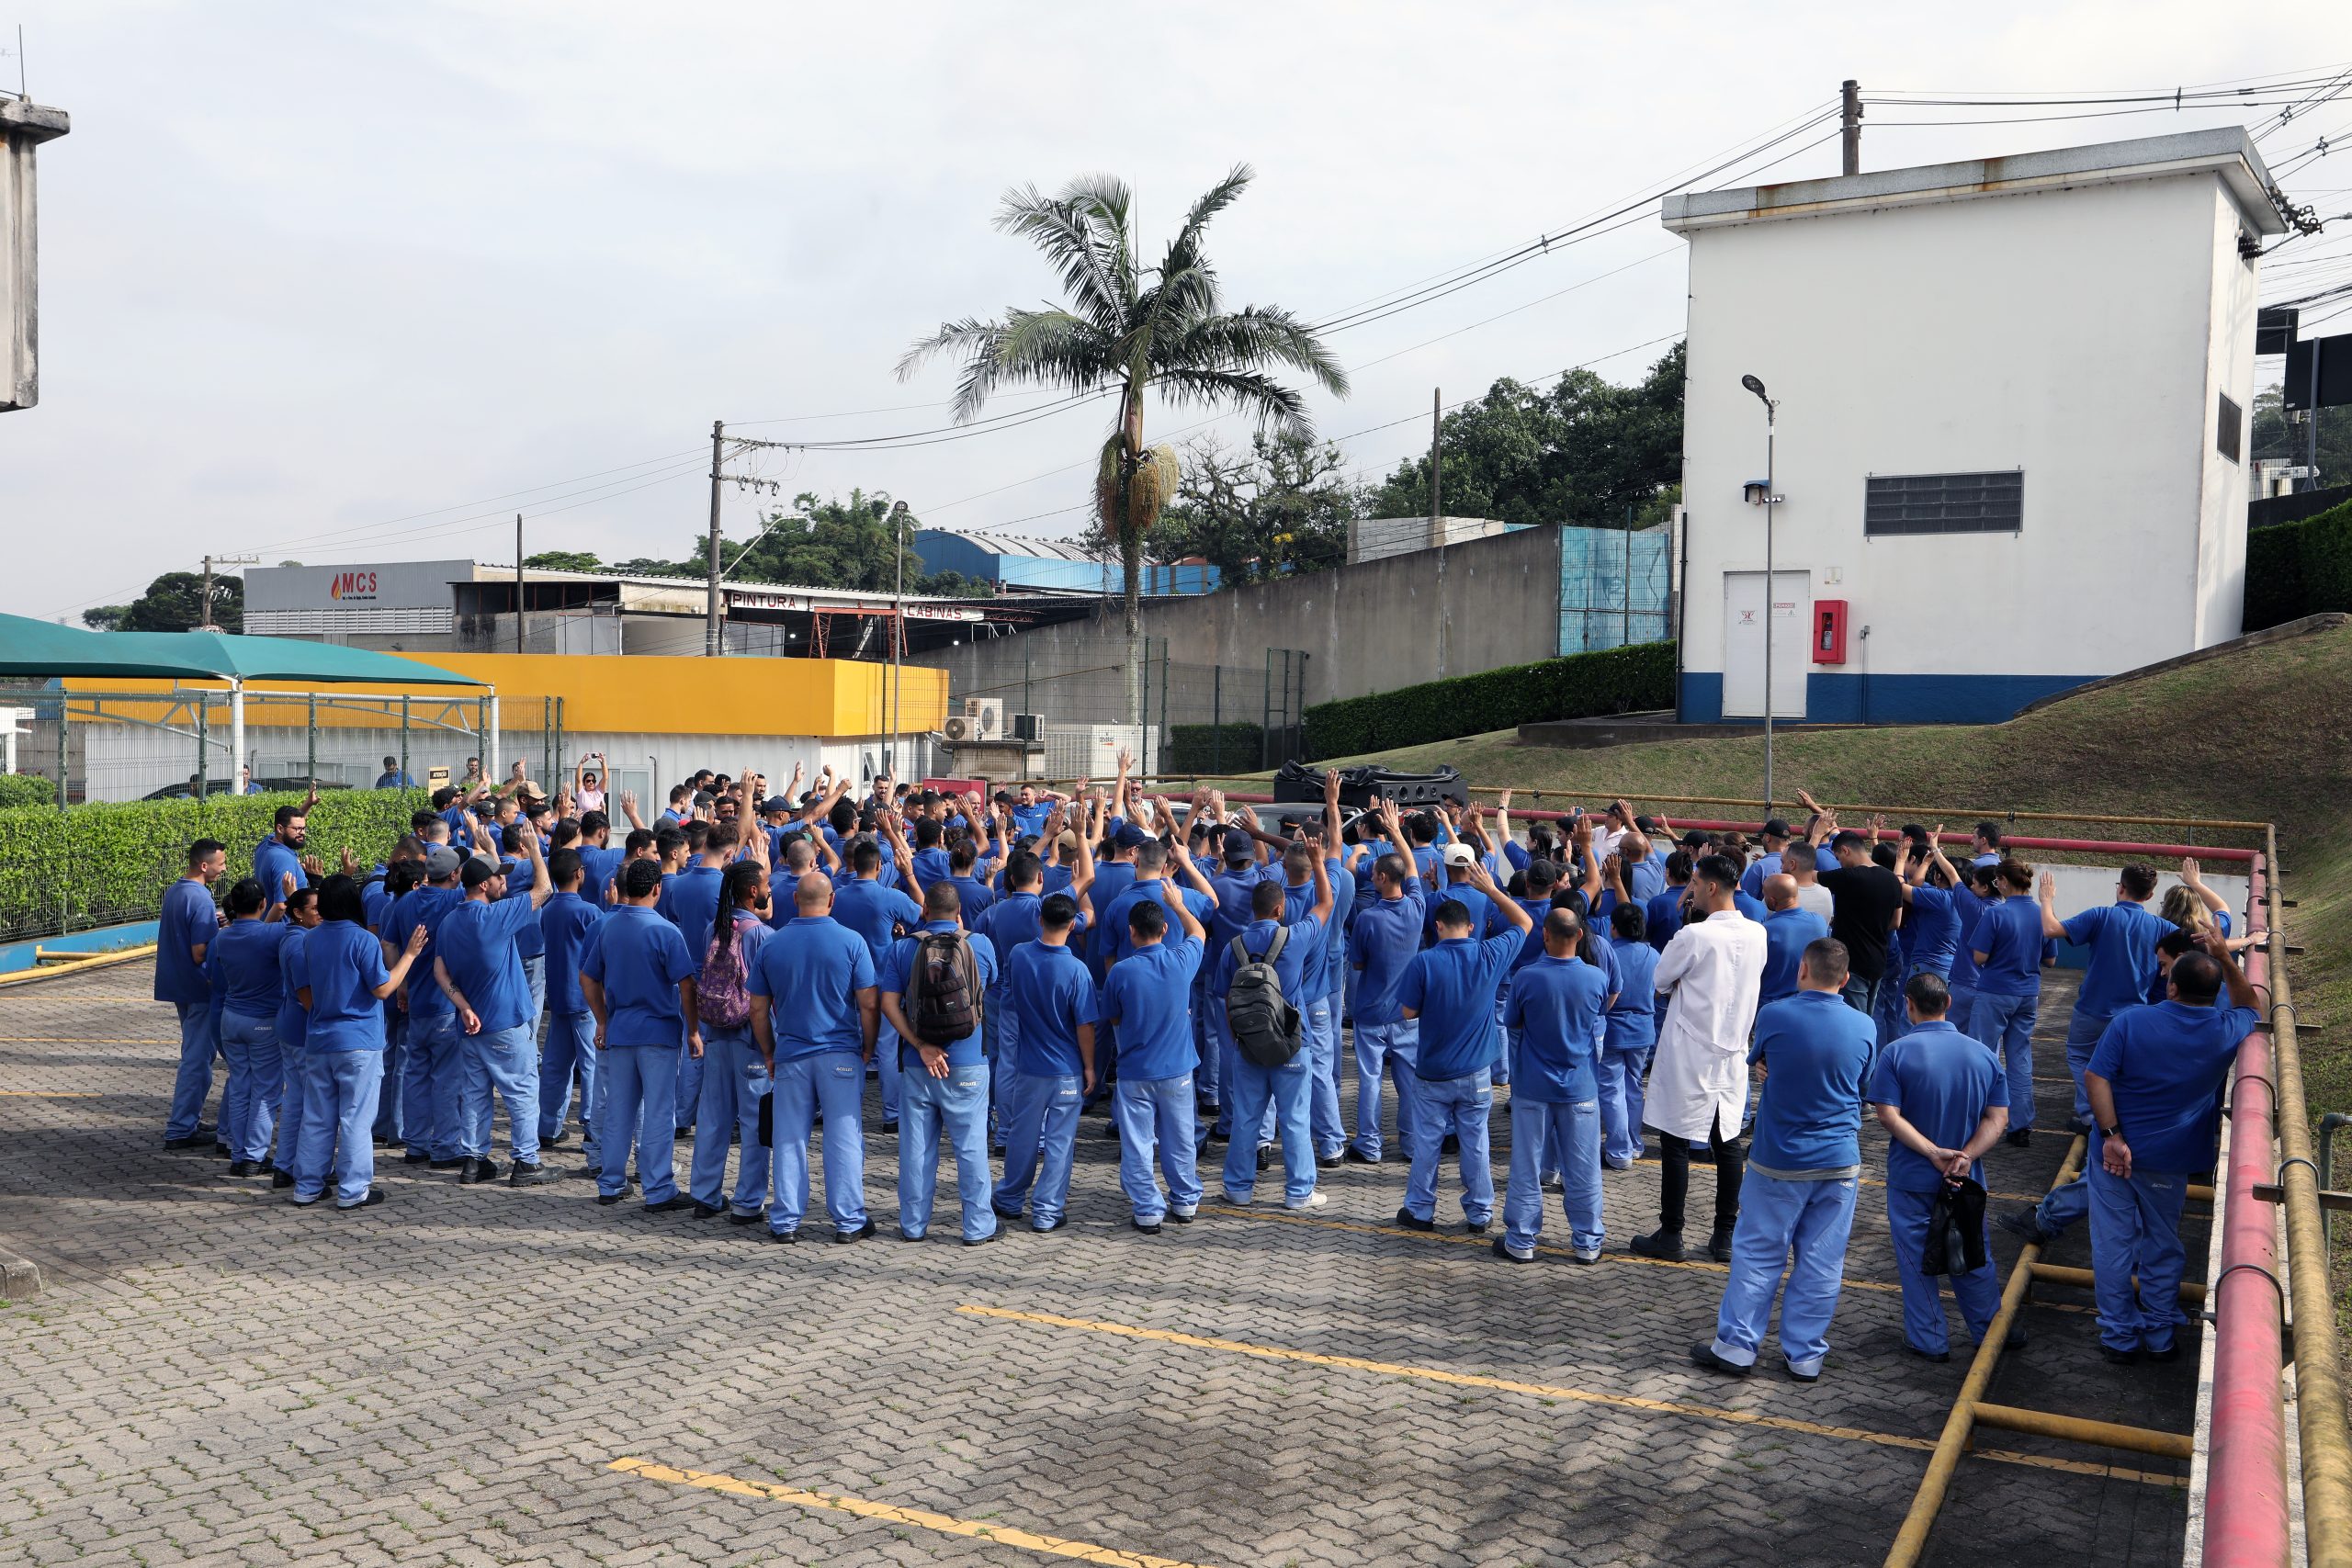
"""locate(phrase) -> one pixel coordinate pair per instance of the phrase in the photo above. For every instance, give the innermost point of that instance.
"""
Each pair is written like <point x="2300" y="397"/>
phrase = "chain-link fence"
<point x="1204" y="718"/>
<point x="181" y="742"/>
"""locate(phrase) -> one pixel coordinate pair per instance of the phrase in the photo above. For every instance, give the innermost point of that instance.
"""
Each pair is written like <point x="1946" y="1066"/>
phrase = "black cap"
<point x="479" y="871"/>
<point x="1779" y="828"/>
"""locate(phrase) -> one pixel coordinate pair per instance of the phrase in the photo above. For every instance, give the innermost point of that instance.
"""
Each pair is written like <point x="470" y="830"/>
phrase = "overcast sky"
<point x="331" y="283"/>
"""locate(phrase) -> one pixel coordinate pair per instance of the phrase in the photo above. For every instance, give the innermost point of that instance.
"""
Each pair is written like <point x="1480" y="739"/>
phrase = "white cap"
<point x="1459" y="854"/>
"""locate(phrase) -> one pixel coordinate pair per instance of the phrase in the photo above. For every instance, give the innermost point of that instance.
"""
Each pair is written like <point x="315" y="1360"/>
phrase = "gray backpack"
<point x="1265" y="1026"/>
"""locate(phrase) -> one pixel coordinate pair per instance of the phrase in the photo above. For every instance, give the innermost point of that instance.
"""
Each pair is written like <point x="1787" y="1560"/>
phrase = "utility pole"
<point x="2311" y="424"/>
<point x="710" y="633"/>
<point x="519" y="582"/>
<point x="204" y="608"/>
<point x="1437" y="509"/>
<point x="1851" y="120"/>
<point x="898" y="625"/>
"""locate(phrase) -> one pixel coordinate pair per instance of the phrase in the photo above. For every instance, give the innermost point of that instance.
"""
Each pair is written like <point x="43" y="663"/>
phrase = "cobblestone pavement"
<point x="215" y="1376"/>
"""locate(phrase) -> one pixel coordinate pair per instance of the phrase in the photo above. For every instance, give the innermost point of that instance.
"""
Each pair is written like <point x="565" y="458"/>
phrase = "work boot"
<point x="1660" y="1243"/>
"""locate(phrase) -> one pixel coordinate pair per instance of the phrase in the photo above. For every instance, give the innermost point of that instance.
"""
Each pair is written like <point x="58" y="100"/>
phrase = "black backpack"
<point x="943" y="999"/>
<point x="1265" y="1026"/>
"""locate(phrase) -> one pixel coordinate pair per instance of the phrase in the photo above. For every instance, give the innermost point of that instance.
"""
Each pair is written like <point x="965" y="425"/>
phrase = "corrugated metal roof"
<point x="1032" y="549"/>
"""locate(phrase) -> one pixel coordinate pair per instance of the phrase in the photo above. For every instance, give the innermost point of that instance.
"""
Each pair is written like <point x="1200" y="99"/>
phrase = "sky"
<point x="351" y="284"/>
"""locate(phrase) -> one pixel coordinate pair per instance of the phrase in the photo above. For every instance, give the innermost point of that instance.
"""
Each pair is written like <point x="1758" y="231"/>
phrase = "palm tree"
<point x="1130" y="328"/>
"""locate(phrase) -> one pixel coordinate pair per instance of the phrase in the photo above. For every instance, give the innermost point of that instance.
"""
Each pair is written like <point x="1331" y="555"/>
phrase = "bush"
<point x="1613" y="680"/>
<point x="106" y="863"/>
<point x="26" y="789"/>
<point x="1213" y="748"/>
<point x="2293" y="569"/>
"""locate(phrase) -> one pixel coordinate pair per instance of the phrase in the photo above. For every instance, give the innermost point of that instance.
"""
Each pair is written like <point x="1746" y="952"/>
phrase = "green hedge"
<point x="105" y="863"/>
<point x="1613" y="680"/>
<point x="1213" y="748"/>
<point x="26" y="789"/>
<point x="2293" y="569"/>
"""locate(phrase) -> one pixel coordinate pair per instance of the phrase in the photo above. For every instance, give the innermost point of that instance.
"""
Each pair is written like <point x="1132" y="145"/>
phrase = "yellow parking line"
<point x="1003" y="1535"/>
<point x="1552" y="1391"/>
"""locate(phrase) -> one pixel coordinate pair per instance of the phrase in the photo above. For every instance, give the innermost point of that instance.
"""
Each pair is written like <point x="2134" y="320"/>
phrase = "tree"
<point x="2280" y="433"/>
<point x="1582" y="453"/>
<point x="174" y="603"/>
<point x="1131" y="329"/>
<point x="1277" y="509"/>
<point x="562" y="560"/>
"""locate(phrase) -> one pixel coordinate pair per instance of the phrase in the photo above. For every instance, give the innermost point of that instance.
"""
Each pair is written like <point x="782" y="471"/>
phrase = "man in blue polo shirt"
<point x="1629" y="1038"/>
<point x="1797" y="1199"/>
<point x="1148" y="997"/>
<point x="814" y="1012"/>
<point x="942" y="1082"/>
<point x="1290" y="946"/>
<point x="639" y="980"/>
<point x="875" y="909"/>
<point x="570" y="1045"/>
<point x="2122" y="938"/>
<point x="478" y="963"/>
<point x="1556" y="1006"/>
<point x="2007" y="947"/>
<point x="690" y="902"/>
<point x="183" y="936"/>
<point x="1788" y="932"/>
<point x="1053" y="997"/>
<point x="1382" y="942"/>
<point x="281" y="855"/>
<point x="1943" y="1101"/>
<point x="1449" y="992"/>
<point x="2155" y="1085"/>
<point x="433" y="1088"/>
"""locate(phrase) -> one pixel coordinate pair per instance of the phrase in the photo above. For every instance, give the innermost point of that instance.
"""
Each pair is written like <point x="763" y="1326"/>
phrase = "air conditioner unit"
<point x="987" y="716"/>
<point x="958" y="727"/>
<point x="1028" y="726"/>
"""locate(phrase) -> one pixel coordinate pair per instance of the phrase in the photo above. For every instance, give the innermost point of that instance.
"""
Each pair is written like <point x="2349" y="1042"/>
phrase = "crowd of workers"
<point x="732" y="973"/>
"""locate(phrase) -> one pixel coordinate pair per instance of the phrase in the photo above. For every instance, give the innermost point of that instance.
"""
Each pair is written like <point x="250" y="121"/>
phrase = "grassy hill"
<point x="2258" y="734"/>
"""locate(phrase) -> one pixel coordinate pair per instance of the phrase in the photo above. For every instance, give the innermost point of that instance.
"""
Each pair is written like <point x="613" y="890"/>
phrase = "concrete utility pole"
<point x="24" y="124"/>
<point x="1851" y="120"/>
<point x="710" y="634"/>
<point x="1437" y="509"/>
<point x="204" y="607"/>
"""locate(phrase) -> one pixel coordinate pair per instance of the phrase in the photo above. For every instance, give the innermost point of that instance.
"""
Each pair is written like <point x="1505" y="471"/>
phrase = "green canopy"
<point x="29" y="647"/>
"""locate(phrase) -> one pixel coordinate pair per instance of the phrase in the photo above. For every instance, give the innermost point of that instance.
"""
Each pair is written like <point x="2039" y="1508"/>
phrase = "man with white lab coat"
<point x="1713" y="972"/>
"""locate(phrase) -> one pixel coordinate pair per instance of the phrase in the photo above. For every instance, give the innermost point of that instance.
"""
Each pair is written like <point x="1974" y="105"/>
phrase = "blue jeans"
<point x="734" y="1079"/>
<point x="433" y="1099"/>
<point x="338" y="1113"/>
<point x="1860" y="995"/>
<point x="835" y="1082"/>
<point x="953" y="1109"/>
<point x="570" y="1046"/>
<point x="199" y="1045"/>
<point x="1321" y="1020"/>
<point x="1811" y="1219"/>
<point x="885" y="1063"/>
<point x="1620" y="1104"/>
<point x="256" y="1079"/>
<point x="535" y="980"/>
<point x="508" y="1061"/>
<point x="2064" y="1206"/>
<point x="1888" y="1012"/>
<point x="388" y="1095"/>
<point x="1978" y="1290"/>
<point x="641" y="1092"/>
<point x="1288" y="1091"/>
<point x="293" y="1095"/>
<point x="1040" y="1138"/>
<point x="1459" y="1106"/>
<point x="2083" y="1031"/>
<point x="689" y="1084"/>
<point x="2135" y="1230"/>
<point x="1569" y="1136"/>
<point x="1385" y="1050"/>
<point x="2006" y="1023"/>
<point x="1156" y="1112"/>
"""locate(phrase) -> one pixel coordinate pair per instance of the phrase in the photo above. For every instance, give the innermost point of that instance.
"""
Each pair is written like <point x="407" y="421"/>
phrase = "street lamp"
<point x="897" y="624"/>
<point x="1769" y="500"/>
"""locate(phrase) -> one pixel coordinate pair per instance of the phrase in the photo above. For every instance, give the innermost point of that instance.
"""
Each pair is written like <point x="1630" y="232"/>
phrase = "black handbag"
<point x="1955" y="1230"/>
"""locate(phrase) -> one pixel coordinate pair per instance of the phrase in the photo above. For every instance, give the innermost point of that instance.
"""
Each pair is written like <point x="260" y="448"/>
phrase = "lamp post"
<point x="898" y="625"/>
<point x="1770" y="500"/>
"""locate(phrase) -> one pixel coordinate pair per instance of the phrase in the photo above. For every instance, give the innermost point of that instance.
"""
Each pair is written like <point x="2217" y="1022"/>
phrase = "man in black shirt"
<point x="1864" y="897"/>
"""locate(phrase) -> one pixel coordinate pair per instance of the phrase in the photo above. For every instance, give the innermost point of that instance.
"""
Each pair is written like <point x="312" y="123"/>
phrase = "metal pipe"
<point x="1950" y="813"/>
<point x="2245" y="1476"/>
<point x="2326" y="1446"/>
<point x="2059" y="1274"/>
<point x="1912" y="1540"/>
<point x="2075" y="1429"/>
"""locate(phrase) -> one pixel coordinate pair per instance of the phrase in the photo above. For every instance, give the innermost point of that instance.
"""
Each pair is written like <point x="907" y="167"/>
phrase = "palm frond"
<point x="1082" y="234"/>
<point x="1275" y="406"/>
<point x="1248" y="338"/>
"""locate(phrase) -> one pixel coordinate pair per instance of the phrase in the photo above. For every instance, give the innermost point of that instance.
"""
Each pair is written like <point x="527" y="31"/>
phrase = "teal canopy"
<point x="29" y="647"/>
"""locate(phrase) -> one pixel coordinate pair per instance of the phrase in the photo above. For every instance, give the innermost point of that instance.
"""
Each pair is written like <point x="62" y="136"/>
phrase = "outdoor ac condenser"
<point x="985" y="718"/>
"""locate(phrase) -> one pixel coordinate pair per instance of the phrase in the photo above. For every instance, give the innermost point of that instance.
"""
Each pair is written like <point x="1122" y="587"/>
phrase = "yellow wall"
<point x="633" y="694"/>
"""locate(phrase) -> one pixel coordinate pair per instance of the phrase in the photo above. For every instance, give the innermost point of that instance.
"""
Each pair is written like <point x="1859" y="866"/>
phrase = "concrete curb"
<point x="19" y="1278"/>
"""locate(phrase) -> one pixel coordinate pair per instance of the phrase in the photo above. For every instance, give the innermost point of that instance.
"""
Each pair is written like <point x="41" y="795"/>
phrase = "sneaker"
<point x="1719" y="1244"/>
<point x="2026" y="1226"/>
<point x="1661" y="1244"/>
<point x="1554" y="1183"/>
<point x="375" y="1196"/>
<point x="1507" y="1255"/>
<point x="1405" y="1217"/>
<point x="860" y="1234"/>
<point x="1312" y="1201"/>
<point x="1584" y="1258"/>
<point x="531" y="1173"/>
<point x="1703" y="1355"/>
<point x="984" y="1240"/>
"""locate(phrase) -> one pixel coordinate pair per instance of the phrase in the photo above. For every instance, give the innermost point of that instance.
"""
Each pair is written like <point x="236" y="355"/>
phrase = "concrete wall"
<point x="1369" y="627"/>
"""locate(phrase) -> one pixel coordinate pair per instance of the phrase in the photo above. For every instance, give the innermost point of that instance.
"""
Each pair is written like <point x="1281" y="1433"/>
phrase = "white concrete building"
<point x="2010" y="430"/>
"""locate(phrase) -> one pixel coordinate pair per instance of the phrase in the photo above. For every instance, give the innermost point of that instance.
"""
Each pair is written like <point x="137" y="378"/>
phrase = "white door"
<point x="1744" y="620"/>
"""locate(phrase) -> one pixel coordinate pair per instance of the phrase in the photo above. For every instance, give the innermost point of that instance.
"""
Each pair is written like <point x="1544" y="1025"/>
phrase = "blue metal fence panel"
<point x="1613" y="587"/>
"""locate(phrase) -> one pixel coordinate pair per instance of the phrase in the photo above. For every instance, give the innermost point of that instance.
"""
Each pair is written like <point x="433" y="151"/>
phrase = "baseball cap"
<point x="479" y="871"/>
<point x="1778" y="827"/>
<point x="1132" y="837"/>
<point x="441" y="861"/>
<point x="1459" y="854"/>
<point x="1237" y="849"/>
